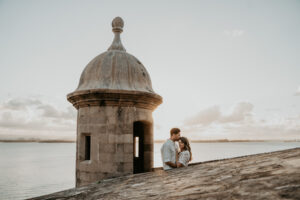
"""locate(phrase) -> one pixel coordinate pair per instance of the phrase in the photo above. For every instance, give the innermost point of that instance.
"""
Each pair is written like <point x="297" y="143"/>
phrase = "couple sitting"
<point x="169" y="151"/>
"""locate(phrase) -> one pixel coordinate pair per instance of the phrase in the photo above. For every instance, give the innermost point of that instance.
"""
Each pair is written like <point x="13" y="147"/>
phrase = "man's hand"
<point x="179" y="164"/>
<point x="174" y="165"/>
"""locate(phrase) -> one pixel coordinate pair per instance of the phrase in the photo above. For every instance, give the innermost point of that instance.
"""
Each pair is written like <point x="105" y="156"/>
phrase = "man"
<point x="169" y="150"/>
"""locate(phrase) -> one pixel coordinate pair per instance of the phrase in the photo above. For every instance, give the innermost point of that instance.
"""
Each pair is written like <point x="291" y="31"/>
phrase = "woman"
<point x="185" y="155"/>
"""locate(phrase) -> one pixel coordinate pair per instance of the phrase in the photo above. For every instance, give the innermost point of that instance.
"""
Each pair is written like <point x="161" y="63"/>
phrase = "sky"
<point x="225" y="69"/>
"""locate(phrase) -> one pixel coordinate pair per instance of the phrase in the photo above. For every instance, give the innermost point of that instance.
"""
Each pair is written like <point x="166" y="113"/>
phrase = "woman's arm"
<point x="184" y="158"/>
<point x="179" y="164"/>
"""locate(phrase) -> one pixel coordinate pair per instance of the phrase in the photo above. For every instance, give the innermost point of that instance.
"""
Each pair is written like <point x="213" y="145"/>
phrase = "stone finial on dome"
<point x="117" y="27"/>
<point x="117" y="24"/>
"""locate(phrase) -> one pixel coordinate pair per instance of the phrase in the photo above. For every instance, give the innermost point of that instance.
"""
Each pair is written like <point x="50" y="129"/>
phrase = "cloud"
<point x="297" y="93"/>
<point x="20" y="104"/>
<point x="234" y="33"/>
<point x="204" y="117"/>
<point x="50" y="111"/>
<point x="240" y="123"/>
<point x="240" y="112"/>
<point x="29" y="115"/>
<point x="8" y="121"/>
<point x="287" y="129"/>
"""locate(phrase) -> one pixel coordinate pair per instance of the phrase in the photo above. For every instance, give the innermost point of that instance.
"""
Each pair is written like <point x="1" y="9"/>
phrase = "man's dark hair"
<point x="174" y="131"/>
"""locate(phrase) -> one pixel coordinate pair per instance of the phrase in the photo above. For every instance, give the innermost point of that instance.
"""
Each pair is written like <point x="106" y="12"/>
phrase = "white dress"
<point x="184" y="158"/>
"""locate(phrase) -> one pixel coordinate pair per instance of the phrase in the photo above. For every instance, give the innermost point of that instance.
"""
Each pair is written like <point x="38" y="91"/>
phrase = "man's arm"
<point x="171" y="164"/>
<point x="179" y="164"/>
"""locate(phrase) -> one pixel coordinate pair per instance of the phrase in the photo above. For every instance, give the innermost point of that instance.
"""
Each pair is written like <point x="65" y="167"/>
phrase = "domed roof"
<point x="115" y="69"/>
<point x="115" y="78"/>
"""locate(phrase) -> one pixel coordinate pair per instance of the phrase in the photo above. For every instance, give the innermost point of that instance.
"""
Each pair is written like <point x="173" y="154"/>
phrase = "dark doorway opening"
<point x="138" y="147"/>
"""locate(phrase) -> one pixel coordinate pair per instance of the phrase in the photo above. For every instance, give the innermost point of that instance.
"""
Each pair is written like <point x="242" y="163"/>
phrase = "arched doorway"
<point x="142" y="147"/>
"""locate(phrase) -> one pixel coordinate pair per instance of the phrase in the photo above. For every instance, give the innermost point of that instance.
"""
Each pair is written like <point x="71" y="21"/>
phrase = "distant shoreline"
<point x="38" y="141"/>
<point x="156" y="141"/>
<point x="224" y="141"/>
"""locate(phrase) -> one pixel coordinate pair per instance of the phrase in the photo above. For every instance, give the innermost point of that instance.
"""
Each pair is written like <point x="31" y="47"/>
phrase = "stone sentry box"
<point x="115" y="101"/>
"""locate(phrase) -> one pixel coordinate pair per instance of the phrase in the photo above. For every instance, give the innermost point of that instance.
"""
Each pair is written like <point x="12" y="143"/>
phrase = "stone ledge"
<point x="274" y="175"/>
<point x="106" y="97"/>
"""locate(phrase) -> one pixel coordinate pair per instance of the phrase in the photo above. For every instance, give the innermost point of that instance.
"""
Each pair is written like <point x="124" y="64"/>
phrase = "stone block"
<point x="144" y="115"/>
<point x="83" y="128"/>
<point x="128" y="167"/>
<point x="105" y="157"/>
<point x="111" y="128"/>
<point x="112" y="139"/>
<point x="128" y="157"/>
<point x="108" y="167"/>
<point x="110" y="110"/>
<point x="111" y="118"/>
<point x="85" y="165"/>
<point x="120" y="167"/>
<point x="102" y="128"/>
<point x="87" y="177"/>
<point x="127" y="128"/>
<point x="107" y="148"/>
<point x="97" y="118"/>
<point x="99" y="176"/>
<point x="120" y="139"/>
<point x="82" y="119"/>
<point x="83" y="115"/>
<point x="119" y="157"/>
<point x="128" y="148"/>
<point x="93" y="128"/>
<point x="120" y="148"/>
<point x="128" y="138"/>
<point x="94" y="150"/>
<point x="102" y="138"/>
<point x="126" y="131"/>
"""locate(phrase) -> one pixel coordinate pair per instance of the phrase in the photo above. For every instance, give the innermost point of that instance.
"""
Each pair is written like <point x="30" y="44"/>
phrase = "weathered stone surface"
<point x="111" y="142"/>
<point x="263" y="176"/>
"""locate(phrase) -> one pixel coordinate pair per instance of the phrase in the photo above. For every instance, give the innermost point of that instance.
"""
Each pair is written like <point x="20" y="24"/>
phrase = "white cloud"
<point x="30" y="117"/>
<point x="234" y="33"/>
<point x="240" y="124"/>
<point x="240" y="112"/>
<point x="52" y="112"/>
<point x="204" y="117"/>
<point x="19" y="103"/>
<point x="268" y="131"/>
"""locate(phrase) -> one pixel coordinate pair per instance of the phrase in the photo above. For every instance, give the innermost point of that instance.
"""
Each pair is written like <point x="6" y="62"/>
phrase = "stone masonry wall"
<point x="111" y="131"/>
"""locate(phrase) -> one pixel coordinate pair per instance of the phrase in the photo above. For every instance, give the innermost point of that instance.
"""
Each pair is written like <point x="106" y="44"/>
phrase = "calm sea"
<point x="34" y="169"/>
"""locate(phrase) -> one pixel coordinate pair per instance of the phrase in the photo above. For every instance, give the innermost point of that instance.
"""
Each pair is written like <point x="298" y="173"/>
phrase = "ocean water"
<point x="34" y="169"/>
